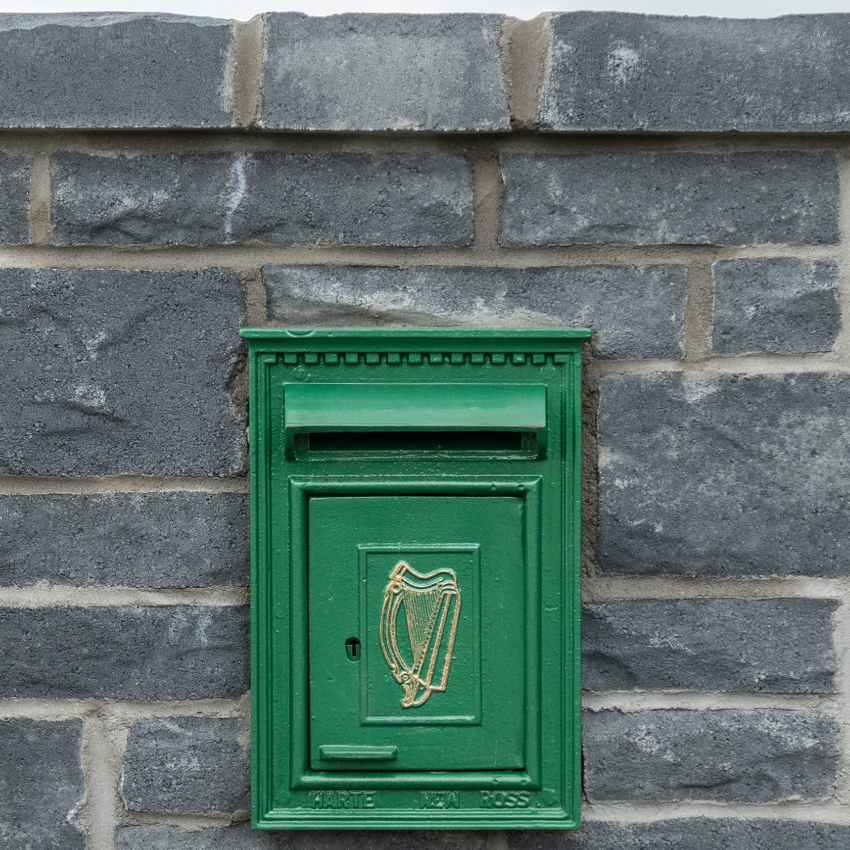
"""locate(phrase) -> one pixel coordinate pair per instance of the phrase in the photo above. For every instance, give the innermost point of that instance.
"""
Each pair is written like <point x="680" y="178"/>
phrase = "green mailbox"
<point x="415" y="582"/>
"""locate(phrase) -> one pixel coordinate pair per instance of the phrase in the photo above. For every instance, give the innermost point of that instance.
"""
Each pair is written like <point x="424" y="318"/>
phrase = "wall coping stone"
<point x="600" y="72"/>
<point x="613" y="71"/>
<point x="383" y="72"/>
<point x="116" y="70"/>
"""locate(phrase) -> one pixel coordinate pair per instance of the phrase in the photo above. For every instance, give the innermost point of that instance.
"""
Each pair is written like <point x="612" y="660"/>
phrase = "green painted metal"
<point x="414" y="407"/>
<point x="478" y="722"/>
<point x="415" y="578"/>
<point x="345" y="752"/>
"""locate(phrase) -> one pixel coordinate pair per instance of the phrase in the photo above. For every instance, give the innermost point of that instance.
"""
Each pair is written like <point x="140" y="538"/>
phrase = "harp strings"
<point x="421" y="608"/>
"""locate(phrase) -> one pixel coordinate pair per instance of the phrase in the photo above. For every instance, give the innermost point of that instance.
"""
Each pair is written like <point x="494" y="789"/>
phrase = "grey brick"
<point x="112" y="372"/>
<point x="686" y="834"/>
<point x="161" y="653"/>
<point x="624" y="72"/>
<point x="724" y="756"/>
<point x="724" y="476"/>
<point x="114" y="70"/>
<point x="147" y="200"/>
<point x="241" y="837"/>
<point x="14" y="197"/>
<point x="41" y="784"/>
<point x="633" y="313"/>
<point x="775" y="304"/>
<point x="358" y="199"/>
<point x="683" y="834"/>
<point x="383" y="72"/>
<point x="757" y="197"/>
<point x="130" y="539"/>
<point x="772" y="645"/>
<point x="187" y="764"/>
<point x="349" y="198"/>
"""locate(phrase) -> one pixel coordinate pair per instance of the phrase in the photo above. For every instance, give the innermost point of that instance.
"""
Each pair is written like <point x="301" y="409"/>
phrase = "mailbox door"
<point x="416" y="633"/>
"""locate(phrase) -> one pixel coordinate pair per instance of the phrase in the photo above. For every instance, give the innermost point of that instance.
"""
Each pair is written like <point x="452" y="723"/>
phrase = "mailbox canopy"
<point x="415" y="577"/>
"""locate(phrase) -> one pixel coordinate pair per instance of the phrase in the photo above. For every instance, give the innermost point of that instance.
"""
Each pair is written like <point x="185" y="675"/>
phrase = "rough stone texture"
<point x="129" y="539"/>
<point x="147" y="200"/>
<point x="726" y="756"/>
<point x="241" y="837"/>
<point x="633" y="313"/>
<point x="625" y="72"/>
<point x="14" y="196"/>
<point x="383" y="72"/>
<point x="745" y="198"/>
<point x="115" y="70"/>
<point x="348" y="198"/>
<point x="726" y="475"/>
<point x="41" y="784"/>
<point x="120" y="371"/>
<point x="772" y="645"/>
<point x="179" y="652"/>
<point x="683" y="834"/>
<point x="187" y="764"/>
<point x="775" y="304"/>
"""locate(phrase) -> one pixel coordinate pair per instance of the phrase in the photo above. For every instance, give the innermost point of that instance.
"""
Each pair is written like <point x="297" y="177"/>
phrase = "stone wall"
<point x="680" y="185"/>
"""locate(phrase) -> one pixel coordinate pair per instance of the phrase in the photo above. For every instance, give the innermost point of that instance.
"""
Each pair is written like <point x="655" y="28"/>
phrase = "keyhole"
<point x="352" y="649"/>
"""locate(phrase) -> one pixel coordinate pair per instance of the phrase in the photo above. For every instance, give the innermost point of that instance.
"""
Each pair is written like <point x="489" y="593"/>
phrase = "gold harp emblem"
<point x="430" y="602"/>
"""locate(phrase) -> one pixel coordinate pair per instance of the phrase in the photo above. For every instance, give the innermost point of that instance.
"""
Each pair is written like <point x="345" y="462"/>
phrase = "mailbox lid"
<point x="415" y="408"/>
<point x="441" y="574"/>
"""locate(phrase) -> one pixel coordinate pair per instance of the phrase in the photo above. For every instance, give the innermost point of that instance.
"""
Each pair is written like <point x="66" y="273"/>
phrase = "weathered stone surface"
<point x="773" y="645"/>
<point x="132" y="200"/>
<point x="187" y="764"/>
<point x="241" y="837"/>
<point x="120" y="371"/>
<point x="383" y="72"/>
<point x="14" y="196"/>
<point x="348" y="198"/>
<point x="726" y="756"/>
<point x="180" y="652"/>
<point x="685" y="834"/>
<point x="724" y="476"/>
<point x="41" y="784"/>
<point x="745" y="198"/>
<point x="357" y="199"/>
<point x="633" y="313"/>
<point x="130" y="539"/>
<point x="114" y="70"/>
<point x="624" y="72"/>
<point x="775" y="304"/>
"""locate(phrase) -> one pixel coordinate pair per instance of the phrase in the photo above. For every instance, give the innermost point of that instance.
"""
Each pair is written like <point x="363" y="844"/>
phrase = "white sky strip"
<point x="245" y="9"/>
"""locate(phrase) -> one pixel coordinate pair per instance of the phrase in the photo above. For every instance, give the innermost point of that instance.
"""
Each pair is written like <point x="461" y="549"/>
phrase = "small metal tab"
<point x="343" y="753"/>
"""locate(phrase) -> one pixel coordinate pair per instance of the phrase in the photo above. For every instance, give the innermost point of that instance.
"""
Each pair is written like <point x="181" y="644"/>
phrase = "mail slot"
<point x="465" y="416"/>
<point x="415" y="578"/>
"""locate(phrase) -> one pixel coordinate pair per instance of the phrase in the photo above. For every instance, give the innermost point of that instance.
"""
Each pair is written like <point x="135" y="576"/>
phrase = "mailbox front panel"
<point x="415" y="584"/>
<point x="432" y="590"/>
